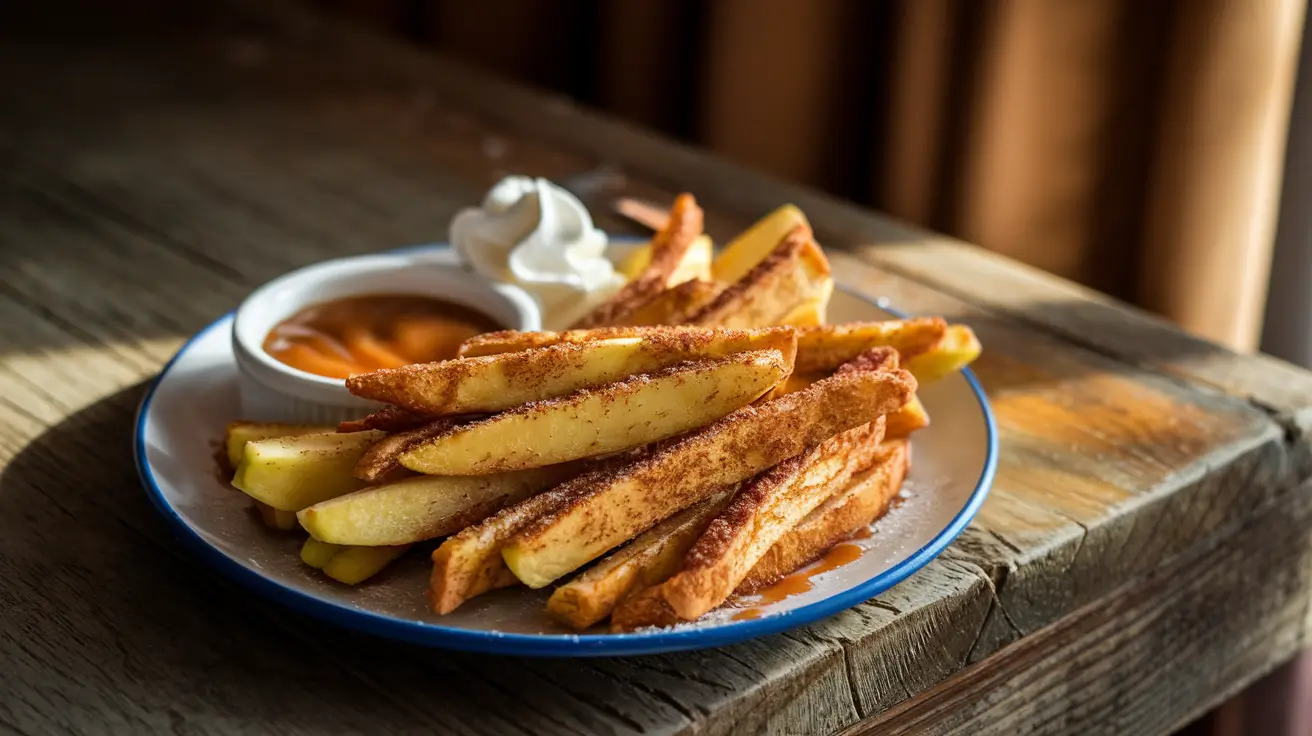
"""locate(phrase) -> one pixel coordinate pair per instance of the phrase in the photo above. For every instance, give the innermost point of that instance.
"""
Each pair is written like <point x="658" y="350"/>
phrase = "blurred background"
<point x="1156" y="151"/>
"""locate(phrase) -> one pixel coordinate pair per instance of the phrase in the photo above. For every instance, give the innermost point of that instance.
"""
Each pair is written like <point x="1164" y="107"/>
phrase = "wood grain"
<point x="1150" y="657"/>
<point x="1141" y="468"/>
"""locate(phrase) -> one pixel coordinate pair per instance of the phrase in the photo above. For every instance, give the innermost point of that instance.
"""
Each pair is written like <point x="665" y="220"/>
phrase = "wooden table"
<point x="1145" y="551"/>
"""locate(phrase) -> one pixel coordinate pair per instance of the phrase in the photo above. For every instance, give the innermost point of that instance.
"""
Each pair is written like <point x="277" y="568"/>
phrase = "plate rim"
<point x="556" y="645"/>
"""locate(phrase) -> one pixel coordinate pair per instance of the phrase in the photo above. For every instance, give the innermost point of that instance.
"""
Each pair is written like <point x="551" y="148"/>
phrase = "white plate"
<point x="184" y="413"/>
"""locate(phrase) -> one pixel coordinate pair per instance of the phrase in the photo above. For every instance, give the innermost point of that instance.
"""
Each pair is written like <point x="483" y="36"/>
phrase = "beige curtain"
<point x="1133" y="146"/>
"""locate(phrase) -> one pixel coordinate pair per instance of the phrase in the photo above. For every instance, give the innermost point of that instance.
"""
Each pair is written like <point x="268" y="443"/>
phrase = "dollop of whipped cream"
<point x="531" y="233"/>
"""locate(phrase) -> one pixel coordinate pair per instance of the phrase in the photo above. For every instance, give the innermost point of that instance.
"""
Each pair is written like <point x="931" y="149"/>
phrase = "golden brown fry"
<point x="381" y="463"/>
<point x="695" y="264"/>
<point x="825" y="347"/>
<point x="647" y="560"/>
<point x="290" y="473"/>
<point x="642" y="607"/>
<point x="496" y="382"/>
<point x="606" y="509"/>
<point x="866" y="498"/>
<point x="761" y="514"/>
<point x="958" y="349"/>
<point x="424" y="507"/>
<point x="388" y="419"/>
<point x="754" y="244"/>
<point x="618" y="416"/>
<point x="810" y="313"/>
<point x="238" y="434"/>
<point x="469" y="563"/>
<point x="672" y="306"/>
<point x="910" y="418"/>
<point x="511" y="341"/>
<point x="669" y="247"/>
<point x="795" y="272"/>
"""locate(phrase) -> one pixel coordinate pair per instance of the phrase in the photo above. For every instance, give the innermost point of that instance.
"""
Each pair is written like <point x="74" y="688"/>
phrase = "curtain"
<point x="1134" y="147"/>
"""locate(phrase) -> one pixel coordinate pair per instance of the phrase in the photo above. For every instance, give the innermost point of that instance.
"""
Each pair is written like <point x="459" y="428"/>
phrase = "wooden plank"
<point x="1148" y="658"/>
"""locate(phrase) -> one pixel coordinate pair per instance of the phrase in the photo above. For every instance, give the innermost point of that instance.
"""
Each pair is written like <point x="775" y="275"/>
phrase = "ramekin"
<point x="272" y="391"/>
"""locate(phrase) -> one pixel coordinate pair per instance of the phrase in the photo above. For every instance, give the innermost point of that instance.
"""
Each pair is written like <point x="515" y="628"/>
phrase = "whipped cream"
<point x="531" y="233"/>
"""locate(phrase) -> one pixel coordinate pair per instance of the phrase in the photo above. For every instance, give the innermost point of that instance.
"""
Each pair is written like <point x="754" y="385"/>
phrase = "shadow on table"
<point x="103" y="605"/>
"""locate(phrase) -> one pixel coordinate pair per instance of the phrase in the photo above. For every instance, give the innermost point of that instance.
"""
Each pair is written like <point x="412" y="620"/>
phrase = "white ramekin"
<point x="272" y="391"/>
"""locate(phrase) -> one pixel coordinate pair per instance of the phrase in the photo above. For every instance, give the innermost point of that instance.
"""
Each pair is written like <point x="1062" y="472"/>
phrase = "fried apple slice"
<point x="695" y="264"/>
<point x="824" y="348"/>
<point x="618" y="416"/>
<point x="469" y="563"/>
<point x="291" y="473"/>
<point x="495" y="382"/>
<point x="354" y="565"/>
<point x="381" y="463"/>
<point x="761" y="513"/>
<point x="669" y="248"/>
<point x="795" y="273"/>
<point x="388" y="419"/>
<point x="910" y="418"/>
<point x="866" y="498"/>
<point x="510" y="341"/>
<point x="810" y="313"/>
<point x="607" y="509"/>
<point x="672" y="306"/>
<point x="425" y="507"/>
<point x="958" y="349"/>
<point x="238" y="434"/>
<point x="650" y="559"/>
<point x="744" y="252"/>
<point x="642" y="607"/>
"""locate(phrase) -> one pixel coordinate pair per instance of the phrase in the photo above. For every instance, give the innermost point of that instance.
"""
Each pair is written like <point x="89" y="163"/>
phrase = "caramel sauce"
<point x="368" y="333"/>
<point x="800" y="581"/>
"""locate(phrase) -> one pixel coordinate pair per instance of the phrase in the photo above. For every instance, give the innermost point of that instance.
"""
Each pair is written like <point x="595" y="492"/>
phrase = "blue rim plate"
<point x="177" y="423"/>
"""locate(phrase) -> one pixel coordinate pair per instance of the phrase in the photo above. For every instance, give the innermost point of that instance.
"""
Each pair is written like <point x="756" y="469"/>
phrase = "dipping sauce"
<point x="800" y="582"/>
<point x="367" y="333"/>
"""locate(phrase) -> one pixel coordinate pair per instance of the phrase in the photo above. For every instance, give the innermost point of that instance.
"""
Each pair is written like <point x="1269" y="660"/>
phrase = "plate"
<point x="184" y="413"/>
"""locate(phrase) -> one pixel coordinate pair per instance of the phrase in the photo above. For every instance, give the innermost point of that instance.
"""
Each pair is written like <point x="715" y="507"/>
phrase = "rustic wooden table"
<point x="1145" y="551"/>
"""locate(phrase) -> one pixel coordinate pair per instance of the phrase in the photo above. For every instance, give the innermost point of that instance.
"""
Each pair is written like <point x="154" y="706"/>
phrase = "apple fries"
<point x="751" y="247"/>
<point x="672" y="306"/>
<point x="865" y="499"/>
<point x="647" y="560"/>
<point x="606" y="509"/>
<point x="425" y="507"/>
<point x="290" y="473"/>
<point x="957" y="349"/>
<point x="492" y="383"/>
<point x="695" y="264"/>
<point x="703" y="431"/>
<point x="630" y="413"/>
<point x="763" y="512"/>
<point x="469" y="563"/>
<point x="382" y="461"/>
<point x="388" y="419"/>
<point x="669" y="248"/>
<point x="794" y="274"/>
<point x="824" y="348"/>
